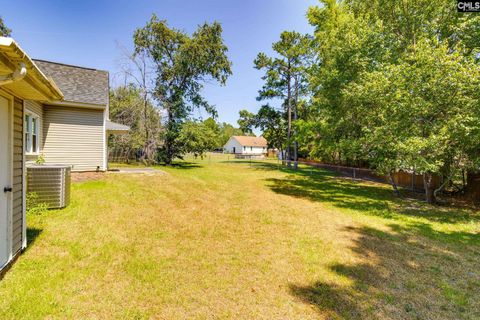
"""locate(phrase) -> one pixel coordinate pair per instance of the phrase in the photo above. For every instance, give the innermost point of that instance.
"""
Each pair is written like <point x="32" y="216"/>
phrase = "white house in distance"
<point x="246" y="145"/>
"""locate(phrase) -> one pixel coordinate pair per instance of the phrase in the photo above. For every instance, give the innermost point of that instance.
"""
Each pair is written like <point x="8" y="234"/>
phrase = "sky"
<point x="87" y="33"/>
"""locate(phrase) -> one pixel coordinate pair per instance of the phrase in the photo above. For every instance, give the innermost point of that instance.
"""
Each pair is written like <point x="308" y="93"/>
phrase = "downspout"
<point x="18" y="74"/>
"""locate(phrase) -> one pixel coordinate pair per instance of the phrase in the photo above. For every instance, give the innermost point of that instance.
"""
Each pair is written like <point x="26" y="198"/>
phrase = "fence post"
<point x="413" y="180"/>
<point x="354" y="173"/>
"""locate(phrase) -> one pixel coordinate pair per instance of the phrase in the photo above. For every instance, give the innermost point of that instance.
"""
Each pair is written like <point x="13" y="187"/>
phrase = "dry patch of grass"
<point x="230" y="239"/>
<point x="86" y="176"/>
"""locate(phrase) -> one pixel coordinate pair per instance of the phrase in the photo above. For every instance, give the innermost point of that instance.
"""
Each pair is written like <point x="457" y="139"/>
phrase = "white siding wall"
<point x="37" y="109"/>
<point x="74" y="136"/>
<point x="254" y="150"/>
<point x="231" y="143"/>
<point x="239" y="149"/>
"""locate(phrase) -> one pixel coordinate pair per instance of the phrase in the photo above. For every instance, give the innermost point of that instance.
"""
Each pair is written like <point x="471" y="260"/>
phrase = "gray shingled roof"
<point x="78" y="84"/>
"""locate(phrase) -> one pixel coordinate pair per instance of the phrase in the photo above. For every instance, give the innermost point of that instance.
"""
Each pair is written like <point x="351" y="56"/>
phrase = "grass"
<point x="218" y="239"/>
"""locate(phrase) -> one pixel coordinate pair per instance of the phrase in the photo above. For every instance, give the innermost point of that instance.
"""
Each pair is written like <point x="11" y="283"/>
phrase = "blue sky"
<point x="86" y="33"/>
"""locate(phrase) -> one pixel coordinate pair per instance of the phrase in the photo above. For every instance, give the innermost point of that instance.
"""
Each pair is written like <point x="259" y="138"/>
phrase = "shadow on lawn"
<point x="32" y="235"/>
<point x="396" y="275"/>
<point x="369" y="198"/>
<point x="186" y="165"/>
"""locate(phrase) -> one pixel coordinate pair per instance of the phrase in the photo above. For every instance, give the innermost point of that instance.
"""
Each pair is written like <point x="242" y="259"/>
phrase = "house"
<point x="246" y="145"/>
<point x="53" y="110"/>
<point x="74" y="130"/>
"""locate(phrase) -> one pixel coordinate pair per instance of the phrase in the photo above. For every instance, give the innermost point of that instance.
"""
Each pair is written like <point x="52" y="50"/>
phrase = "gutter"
<point x="18" y="74"/>
<point x="12" y="52"/>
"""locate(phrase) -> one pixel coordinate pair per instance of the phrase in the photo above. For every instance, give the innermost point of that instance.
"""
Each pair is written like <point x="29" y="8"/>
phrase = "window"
<point x="31" y="134"/>
<point x="251" y="148"/>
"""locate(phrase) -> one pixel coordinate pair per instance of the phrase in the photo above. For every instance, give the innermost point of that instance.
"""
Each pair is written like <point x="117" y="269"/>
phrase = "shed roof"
<point x="78" y="84"/>
<point x="250" y="141"/>
<point x="114" y="127"/>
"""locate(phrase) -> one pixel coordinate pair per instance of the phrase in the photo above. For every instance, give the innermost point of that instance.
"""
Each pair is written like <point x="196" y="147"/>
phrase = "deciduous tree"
<point x="183" y="64"/>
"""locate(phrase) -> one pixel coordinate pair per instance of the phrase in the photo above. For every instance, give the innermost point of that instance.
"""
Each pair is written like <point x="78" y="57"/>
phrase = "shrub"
<point x="34" y="206"/>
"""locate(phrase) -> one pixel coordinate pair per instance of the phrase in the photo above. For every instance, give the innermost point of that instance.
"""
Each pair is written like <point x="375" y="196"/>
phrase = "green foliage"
<point x="34" y="207"/>
<point x="4" y="31"/>
<point x="198" y="137"/>
<point x="246" y="121"/>
<point x="394" y="86"/>
<point x="40" y="159"/>
<point x="285" y="79"/>
<point x="285" y="74"/>
<point x="183" y="63"/>
<point x="127" y="106"/>
<point x="226" y="130"/>
<point x="223" y="131"/>
<point x="273" y="125"/>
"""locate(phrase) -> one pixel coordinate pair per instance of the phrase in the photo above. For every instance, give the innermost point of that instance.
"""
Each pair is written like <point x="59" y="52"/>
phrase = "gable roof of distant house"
<point x="78" y="84"/>
<point x="249" y="141"/>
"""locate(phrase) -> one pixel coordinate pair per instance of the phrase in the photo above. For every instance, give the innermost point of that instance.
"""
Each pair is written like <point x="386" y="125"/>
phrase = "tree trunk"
<point x="147" y="135"/>
<point x="295" y="117"/>
<point x="429" y="190"/>
<point x="393" y="183"/>
<point x="169" y="139"/>
<point x="289" y="111"/>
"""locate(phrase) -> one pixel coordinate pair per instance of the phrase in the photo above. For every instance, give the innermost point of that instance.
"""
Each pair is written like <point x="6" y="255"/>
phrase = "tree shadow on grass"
<point x="185" y="165"/>
<point x="32" y="235"/>
<point x="396" y="274"/>
<point x="365" y="197"/>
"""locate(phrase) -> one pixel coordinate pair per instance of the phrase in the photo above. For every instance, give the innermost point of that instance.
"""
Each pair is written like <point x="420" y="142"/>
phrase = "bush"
<point x="34" y="206"/>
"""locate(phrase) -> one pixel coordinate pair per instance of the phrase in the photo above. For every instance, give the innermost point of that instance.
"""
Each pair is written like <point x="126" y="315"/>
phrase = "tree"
<point x="392" y="89"/>
<point x="422" y="114"/>
<point x="246" y="122"/>
<point x="197" y="138"/>
<point x="127" y="107"/>
<point x="4" y="31"/>
<point x="273" y="126"/>
<point x="286" y="78"/>
<point x="226" y="131"/>
<point x="136" y="68"/>
<point x="183" y="64"/>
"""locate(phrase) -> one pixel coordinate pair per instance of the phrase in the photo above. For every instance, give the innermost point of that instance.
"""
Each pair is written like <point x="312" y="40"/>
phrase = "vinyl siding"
<point x="232" y="143"/>
<point x="240" y="149"/>
<point x="73" y="136"/>
<point x="36" y="108"/>
<point x="17" y="208"/>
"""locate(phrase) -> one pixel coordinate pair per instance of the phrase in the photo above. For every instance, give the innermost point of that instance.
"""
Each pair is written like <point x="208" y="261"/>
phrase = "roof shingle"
<point x="250" y="141"/>
<point x="78" y="84"/>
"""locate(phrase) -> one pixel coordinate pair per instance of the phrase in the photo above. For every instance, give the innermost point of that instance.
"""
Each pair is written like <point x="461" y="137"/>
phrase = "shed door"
<point x="5" y="178"/>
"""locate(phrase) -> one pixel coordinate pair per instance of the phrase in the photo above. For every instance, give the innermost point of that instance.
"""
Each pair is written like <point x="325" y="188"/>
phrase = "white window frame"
<point x="28" y="126"/>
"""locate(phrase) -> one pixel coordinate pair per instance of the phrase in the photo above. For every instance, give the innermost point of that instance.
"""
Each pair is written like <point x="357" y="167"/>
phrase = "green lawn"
<point x="222" y="239"/>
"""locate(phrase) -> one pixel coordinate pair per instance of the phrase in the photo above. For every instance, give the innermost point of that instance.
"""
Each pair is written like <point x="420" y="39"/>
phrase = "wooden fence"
<point x="408" y="180"/>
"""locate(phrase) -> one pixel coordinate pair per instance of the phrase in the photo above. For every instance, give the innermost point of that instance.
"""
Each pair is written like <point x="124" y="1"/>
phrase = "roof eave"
<point x="11" y="54"/>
